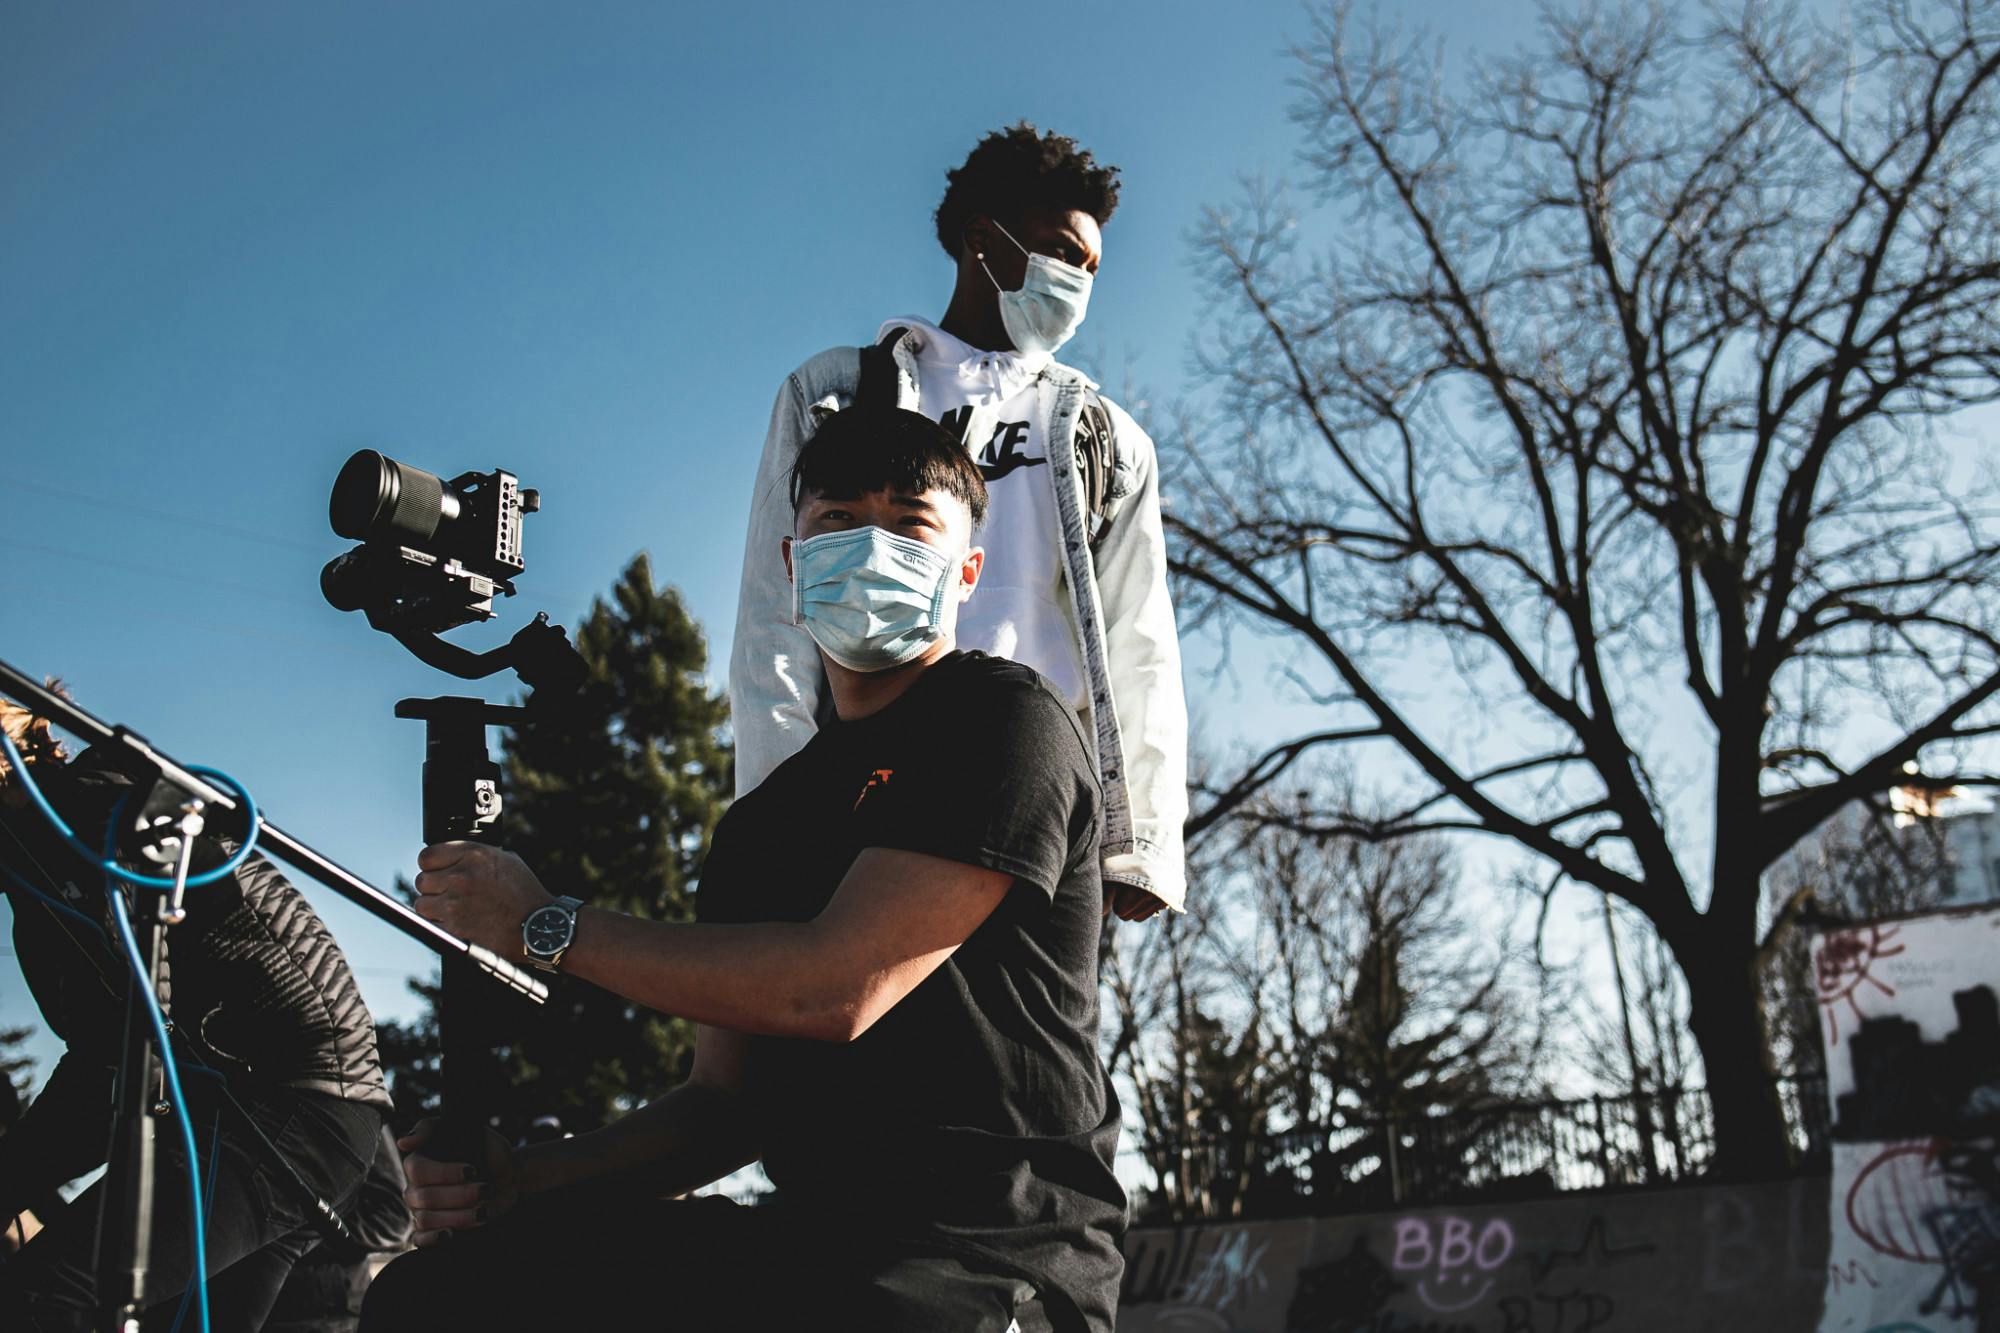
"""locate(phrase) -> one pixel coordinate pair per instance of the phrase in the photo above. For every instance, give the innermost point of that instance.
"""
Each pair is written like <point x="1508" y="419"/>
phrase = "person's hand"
<point x="1129" y="902"/>
<point x="478" y="893"/>
<point x="448" y="1197"/>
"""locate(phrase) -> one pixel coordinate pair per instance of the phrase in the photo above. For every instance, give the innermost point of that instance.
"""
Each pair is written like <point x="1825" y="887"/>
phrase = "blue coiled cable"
<point x="106" y="861"/>
<point x="114" y="896"/>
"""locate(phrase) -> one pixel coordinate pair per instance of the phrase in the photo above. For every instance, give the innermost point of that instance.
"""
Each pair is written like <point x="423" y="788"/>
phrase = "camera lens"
<point x="377" y="497"/>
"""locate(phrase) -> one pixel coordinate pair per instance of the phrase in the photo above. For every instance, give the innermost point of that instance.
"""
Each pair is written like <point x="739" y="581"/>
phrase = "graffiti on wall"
<point x="1912" y="1039"/>
<point x="1199" y="1277"/>
<point x="1452" y="1268"/>
<point x="1628" y="1264"/>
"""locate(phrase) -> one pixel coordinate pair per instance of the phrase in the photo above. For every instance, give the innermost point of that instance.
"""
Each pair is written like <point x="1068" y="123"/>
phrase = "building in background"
<point x="1972" y="854"/>
<point x="1926" y="845"/>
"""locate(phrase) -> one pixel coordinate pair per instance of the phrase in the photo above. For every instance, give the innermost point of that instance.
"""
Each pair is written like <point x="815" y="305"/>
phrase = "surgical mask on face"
<point x="870" y="599"/>
<point x="1042" y="314"/>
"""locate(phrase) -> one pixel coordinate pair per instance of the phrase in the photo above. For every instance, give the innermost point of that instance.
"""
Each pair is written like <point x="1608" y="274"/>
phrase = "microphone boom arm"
<point x="141" y="760"/>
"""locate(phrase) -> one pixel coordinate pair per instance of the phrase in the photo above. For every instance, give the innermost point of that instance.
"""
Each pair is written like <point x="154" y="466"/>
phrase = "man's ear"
<point x="977" y="238"/>
<point x="969" y="570"/>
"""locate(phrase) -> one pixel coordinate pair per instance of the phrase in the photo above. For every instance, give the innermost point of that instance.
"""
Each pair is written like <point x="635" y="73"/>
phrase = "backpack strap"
<point x="1096" y="442"/>
<point x="1096" y="461"/>
<point x="876" y="390"/>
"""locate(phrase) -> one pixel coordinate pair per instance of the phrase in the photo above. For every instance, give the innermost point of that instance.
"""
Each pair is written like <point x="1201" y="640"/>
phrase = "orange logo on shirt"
<point x="879" y="778"/>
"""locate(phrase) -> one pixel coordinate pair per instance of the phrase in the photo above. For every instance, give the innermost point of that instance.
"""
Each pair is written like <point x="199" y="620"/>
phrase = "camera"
<point x="433" y="553"/>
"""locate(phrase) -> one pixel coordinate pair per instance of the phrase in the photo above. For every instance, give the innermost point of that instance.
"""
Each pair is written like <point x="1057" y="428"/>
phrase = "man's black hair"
<point x="861" y="450"/>
<point x="1020" y="168"/>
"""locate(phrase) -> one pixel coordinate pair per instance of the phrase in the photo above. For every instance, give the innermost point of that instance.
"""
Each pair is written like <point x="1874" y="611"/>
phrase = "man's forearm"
<point x="692" y="1136"/>
<point x="894" y="918"/>
<point x="774" y="979"/>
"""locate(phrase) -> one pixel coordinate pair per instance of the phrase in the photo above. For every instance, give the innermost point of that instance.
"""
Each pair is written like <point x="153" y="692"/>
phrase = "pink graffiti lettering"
<point x="1455" y="1250"/>
<point x="1412" y="1234"/>
<point x="1452" y="1259"/>
<point x="1453" y="1246"/>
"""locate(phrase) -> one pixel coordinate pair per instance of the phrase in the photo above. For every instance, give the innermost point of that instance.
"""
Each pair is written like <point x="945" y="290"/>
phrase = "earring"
<point x="980" y="255"/>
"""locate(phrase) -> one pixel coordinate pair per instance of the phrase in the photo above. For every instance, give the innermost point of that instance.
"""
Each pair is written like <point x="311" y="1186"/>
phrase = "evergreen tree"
<point x="611" y="799"/>
<point x="1327" y="1026"/>
<point x="16" y="1068"/>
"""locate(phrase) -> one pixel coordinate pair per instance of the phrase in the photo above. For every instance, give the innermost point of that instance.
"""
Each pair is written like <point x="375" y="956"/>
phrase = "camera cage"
<point x="433" y="555"/>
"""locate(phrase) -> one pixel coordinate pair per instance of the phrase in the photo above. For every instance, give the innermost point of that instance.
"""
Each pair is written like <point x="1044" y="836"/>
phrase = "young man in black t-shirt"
<point x="894" y="977"/>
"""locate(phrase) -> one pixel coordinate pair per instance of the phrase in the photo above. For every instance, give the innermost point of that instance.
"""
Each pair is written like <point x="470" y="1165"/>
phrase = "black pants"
<point x="322" y="1294"/>
<point x="257" y="1222"/>
<point x="593" y="1261"/>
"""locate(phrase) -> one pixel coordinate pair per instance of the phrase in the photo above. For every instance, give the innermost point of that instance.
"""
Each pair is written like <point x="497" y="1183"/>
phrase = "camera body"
<point x="433" y="553"/>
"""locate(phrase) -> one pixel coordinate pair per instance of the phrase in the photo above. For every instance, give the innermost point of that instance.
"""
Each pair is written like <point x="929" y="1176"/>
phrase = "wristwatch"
<point x="548" y="931"/>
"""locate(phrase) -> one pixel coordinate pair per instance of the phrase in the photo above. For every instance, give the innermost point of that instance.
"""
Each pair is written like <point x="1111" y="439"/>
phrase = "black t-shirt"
<point x="976" y="1115"/>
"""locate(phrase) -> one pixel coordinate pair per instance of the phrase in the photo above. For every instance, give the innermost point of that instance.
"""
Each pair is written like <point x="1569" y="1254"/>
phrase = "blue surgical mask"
<point x="1042" y="314"/>
<point x="870" y="599"/>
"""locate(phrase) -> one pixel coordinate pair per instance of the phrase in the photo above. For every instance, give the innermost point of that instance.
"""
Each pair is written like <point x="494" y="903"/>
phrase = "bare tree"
<point x="1641" y="1046"/>
<point x="1332" y="987"/>
<point x="1191" y="1056"/>
<point x="1622" y="386"/>
<point x="1391" y="1006"/>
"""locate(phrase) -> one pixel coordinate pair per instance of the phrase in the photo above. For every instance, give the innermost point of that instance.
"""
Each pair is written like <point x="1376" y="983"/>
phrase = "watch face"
<point x="546" y="930"/>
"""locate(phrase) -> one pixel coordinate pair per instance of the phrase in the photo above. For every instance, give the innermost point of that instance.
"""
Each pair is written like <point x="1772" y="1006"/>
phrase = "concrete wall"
<point x="1703" y="1258"/>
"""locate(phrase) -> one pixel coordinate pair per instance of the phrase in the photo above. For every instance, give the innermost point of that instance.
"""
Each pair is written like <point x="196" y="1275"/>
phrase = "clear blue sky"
<point x="583" y="242"/>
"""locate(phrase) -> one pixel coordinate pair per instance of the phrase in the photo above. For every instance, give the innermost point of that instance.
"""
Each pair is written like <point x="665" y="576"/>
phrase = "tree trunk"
<point x="1751" y="1139"/>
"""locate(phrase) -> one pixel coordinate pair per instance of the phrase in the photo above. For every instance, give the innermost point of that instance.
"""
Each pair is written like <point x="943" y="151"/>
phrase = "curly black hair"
<point x="1020" y="168"/>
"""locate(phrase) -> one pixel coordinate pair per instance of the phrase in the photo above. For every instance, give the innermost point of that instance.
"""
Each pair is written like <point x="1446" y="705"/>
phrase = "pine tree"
<point x="611" y="800"/>
<point x="16" y="1068"/>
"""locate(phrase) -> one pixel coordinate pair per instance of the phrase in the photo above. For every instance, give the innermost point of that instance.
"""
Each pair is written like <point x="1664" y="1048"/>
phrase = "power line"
<point x="218" y="627"/>
<point x="150" y="571"/>
<point x="168" y="516"/>
<point x="324" y="550"/>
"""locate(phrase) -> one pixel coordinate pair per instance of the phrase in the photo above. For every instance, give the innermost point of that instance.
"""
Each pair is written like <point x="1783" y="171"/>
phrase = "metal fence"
<point x="1516" y="1150"/>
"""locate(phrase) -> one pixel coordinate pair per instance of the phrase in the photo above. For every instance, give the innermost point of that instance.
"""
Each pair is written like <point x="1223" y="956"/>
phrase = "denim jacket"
<point x="1118" y="601"/>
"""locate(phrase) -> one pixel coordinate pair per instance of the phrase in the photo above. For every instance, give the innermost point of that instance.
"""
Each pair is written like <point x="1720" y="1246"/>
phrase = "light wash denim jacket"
<point x="1118" y="601"/>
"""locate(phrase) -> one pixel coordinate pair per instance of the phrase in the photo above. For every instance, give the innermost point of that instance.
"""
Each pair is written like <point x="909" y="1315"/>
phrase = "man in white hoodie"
<point x="1076" y="569"/>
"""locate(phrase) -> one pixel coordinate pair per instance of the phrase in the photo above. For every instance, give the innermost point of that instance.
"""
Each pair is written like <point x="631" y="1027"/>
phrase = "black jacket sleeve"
<point x="64" y="1134"/>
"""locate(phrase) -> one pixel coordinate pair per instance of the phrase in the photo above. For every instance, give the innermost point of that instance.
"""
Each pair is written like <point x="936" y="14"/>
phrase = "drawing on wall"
<point x="1843" y="965"/>
<point x="1912" y="1040"/>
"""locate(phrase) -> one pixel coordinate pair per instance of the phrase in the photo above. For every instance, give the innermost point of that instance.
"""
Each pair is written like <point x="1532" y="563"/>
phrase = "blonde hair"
<point x="31" y="735"/>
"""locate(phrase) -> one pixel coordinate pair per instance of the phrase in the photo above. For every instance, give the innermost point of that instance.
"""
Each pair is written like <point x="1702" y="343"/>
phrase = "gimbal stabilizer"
<point x="433" y="556"/>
